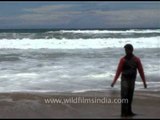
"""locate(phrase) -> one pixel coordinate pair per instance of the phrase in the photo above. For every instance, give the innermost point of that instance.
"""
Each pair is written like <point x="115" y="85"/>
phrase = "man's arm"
<point x="141" y="72"/>
<point x="118" y="72"/>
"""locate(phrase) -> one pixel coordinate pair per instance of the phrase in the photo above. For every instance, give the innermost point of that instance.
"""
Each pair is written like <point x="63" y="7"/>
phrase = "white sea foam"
<point x="19" y="75"/>
<point x="151" y="42"/>
<point x="109" y="31"/>
<point x="98" y="76"/>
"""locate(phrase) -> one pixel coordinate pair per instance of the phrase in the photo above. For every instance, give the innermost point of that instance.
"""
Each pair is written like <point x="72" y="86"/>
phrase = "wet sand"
<point x="32" y="105"/>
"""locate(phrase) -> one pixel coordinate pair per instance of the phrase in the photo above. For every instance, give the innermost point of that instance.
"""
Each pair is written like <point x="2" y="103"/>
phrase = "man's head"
<point x="128" y="49"/>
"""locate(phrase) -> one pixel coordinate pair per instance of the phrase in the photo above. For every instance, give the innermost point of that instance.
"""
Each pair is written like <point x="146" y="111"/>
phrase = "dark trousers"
<point x="127" y="91"/>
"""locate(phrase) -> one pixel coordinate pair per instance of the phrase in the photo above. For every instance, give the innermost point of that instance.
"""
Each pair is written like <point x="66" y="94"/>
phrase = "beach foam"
<point x="152" y="42"/>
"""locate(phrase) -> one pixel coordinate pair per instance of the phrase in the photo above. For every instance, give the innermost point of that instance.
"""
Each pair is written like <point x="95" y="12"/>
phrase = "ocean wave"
<point x="109" y="31"/>
<point x="80" y="34"/>
<point x="152" y="42"/>
<point x="9" y="58"/>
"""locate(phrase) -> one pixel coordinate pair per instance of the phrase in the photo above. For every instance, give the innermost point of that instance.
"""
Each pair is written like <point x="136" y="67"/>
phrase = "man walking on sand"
<point x="128" y="66"/>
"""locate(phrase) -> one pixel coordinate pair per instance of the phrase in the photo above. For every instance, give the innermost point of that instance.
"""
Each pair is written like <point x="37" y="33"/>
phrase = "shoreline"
<point x="32" y="105"/>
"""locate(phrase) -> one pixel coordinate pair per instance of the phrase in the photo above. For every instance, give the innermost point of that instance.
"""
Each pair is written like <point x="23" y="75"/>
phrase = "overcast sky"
<point x="79" y="15"/>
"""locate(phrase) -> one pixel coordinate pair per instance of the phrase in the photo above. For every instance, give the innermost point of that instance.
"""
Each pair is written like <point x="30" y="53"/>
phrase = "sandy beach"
<point x="33" y="105"/>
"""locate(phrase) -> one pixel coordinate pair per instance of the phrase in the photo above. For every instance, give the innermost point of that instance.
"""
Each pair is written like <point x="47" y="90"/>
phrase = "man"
<point x="128" y="66"/>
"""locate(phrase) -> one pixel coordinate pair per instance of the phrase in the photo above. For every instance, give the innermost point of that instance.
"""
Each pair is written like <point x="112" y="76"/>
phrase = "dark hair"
<point x="129" y="47"/>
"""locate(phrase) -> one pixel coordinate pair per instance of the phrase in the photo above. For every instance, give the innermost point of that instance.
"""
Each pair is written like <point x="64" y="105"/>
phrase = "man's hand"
<point x="112" y="85"/>
<point x="145" y="85"/>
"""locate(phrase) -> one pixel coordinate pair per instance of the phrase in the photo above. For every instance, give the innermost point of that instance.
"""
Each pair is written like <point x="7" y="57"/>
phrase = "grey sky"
<point x="80" y="14"/>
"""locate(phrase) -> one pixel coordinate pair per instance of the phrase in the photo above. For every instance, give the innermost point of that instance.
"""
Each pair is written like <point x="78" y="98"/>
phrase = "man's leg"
<point x="124" y="95"/>
<point x="130" y="97"/>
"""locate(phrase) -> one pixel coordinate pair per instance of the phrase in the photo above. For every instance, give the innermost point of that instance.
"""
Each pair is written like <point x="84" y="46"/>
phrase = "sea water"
<point x="74" y="60"/>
